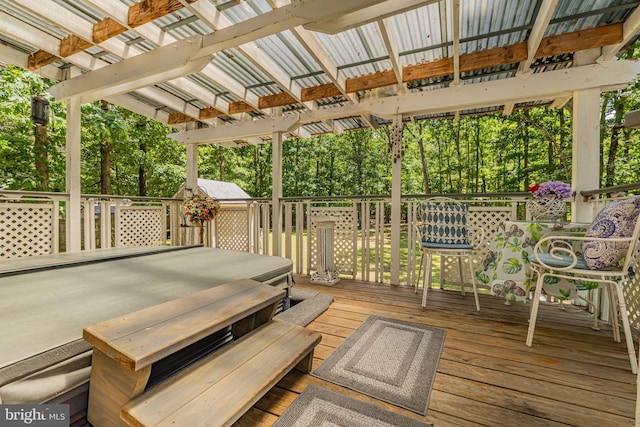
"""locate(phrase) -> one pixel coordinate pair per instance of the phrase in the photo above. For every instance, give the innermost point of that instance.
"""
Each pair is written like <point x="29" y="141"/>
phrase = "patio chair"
<point x="607" y="257"/>
<point x="442" y="229"/>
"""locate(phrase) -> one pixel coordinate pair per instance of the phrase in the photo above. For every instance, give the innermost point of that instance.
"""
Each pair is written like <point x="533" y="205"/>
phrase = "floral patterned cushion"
<point x="444" y="224"/>
<point x="617" y="219"/>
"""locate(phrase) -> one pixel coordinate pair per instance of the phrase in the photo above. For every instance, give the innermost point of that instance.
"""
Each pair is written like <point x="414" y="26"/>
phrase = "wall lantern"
<point x="39" y="110"/>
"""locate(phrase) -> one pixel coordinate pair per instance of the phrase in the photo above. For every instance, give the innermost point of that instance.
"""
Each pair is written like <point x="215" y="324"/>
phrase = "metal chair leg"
<point x="415" y="291"/>
<point x="534" y="309"/>
<point x="426" y="282"/>
<point x="473" y="282"/>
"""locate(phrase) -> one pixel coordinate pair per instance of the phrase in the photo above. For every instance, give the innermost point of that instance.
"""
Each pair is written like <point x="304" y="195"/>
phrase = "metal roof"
<point x="362" y="60"/>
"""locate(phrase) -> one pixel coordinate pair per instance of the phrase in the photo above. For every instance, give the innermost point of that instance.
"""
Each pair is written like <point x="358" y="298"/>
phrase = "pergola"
<point x="243" y="72"/>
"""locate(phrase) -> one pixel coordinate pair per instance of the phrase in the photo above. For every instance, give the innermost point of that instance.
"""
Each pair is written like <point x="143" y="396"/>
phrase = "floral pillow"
<point x="617" y="219"/>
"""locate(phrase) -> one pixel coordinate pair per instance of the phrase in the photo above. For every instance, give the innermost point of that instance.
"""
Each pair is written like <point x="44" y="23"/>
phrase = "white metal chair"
<point x="442" y="229"/>
<point x="608" y="258"/>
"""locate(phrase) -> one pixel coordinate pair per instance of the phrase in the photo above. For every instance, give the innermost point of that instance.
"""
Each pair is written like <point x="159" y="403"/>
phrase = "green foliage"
<point x="477" y="154"/>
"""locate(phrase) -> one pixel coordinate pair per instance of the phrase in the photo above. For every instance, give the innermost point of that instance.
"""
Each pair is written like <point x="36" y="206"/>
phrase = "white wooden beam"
<point x="560" y="101"/>
<point x="129" y="103"/>
<point x="456" y="46"/>
<point x="230" y="132"/>
<point x="334" y="16"/>
<point x="302" y="133"/>
<point x="12" y="56"/>
<point x="370" y="121"/>
<point x="322" y="58"/>
<point x="250" y="30"/>
<point x="539" y="86"/>
<point x="119" y="12"/>
<point x="549" y="85"/>
<point x="161" y="64"/>
<point x="251" y="51"/>
<point x="170" y="101"/>
<point x="537" y="33"/>
<point x="20" y="59"/>
<point x="630" y="28"/>
<point x="84" y="29"/>
<point x="394" y="57"/>
<point x="508" y="108"/>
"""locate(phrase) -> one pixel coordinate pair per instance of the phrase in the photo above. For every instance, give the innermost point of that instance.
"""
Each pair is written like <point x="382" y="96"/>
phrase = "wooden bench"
<point x="129" y="349"/>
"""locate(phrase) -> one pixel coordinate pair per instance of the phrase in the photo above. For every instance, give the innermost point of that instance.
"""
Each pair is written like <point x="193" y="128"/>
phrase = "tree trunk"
<point x="41" y="156"/>
<point x="477" y="155"/>
<point x="618" y="105"/>
<point x="423" y="160"/>
<point x="606" y="98"/>
<point x="458" y="155"/>
<point x="221" y="162"/>
<point x="142" y="173"/>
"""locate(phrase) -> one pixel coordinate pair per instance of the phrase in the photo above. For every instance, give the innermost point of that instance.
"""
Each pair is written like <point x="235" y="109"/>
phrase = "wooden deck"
<point x="572" y="376"/>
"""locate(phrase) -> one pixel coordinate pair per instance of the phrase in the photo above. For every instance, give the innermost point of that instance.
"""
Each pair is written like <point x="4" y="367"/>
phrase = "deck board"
<point x="572" y="376"/>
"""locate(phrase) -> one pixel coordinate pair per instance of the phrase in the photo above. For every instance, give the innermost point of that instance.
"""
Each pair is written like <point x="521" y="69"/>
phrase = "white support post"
<point x="276" y="192"/>
<point x="586" y="150"/>
<point x="73" y="187"/>
<point x="192" y="166"/>
<point x="396" y="190"/>
<point x="586" y="140"/>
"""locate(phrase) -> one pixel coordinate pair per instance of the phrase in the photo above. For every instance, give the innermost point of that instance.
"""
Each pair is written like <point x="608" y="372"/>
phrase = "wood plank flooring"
<point x="572" y="376"/>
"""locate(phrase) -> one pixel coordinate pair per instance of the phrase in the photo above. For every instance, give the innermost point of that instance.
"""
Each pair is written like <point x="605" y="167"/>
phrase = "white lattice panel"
<point x="344" y="247"/>
<point x="632" y="293"/>
<point x="141" y="226"/>
<point x="25" y="229"/>
<point x="232" y="229"/>
<point x="489" y="220"/>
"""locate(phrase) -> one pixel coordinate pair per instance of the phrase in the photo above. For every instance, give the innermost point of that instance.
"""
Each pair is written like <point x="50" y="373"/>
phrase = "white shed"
<point x="219" y="189"/>
<point x="233" y="227"/>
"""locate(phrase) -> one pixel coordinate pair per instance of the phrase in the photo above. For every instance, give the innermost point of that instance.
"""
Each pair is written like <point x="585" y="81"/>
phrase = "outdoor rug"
<point x="317" y="406"/>
<point x="389" y="360"/>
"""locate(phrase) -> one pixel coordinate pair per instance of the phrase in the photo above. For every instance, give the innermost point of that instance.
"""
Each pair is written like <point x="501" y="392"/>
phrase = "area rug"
<point x="389" y="360"/>
<point x="317" y="406"/>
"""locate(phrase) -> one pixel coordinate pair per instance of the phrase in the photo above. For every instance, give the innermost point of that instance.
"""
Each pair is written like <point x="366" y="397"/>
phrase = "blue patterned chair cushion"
<point x="443" y="224"/>
<point x="617" y="219"/>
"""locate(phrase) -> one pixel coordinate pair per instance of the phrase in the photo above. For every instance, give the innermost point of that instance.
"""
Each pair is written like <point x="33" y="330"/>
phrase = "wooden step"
<point x="126" y="348"/>
<point x="218" y="389"/>
<point x="138" y="339"/>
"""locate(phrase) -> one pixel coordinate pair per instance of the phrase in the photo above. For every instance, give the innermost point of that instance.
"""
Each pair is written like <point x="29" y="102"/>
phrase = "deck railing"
<point x="33" y="223"/>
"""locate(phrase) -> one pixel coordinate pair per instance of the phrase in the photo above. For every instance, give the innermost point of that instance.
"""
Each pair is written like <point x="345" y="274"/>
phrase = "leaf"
<point x="482" y="278"/>
<point x="512" y="266"/>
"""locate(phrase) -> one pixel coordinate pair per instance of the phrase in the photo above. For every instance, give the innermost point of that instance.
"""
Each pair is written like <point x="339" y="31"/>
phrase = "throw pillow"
<point x="617" y="219"/>
<point x="445" y="224"/>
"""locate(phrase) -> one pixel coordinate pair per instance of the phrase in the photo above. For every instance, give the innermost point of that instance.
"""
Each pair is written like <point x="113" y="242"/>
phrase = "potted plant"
<point x="548" y="202"/>
<point x="200" y="208"/>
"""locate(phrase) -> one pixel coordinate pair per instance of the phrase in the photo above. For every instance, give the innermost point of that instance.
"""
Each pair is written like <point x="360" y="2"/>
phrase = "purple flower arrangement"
<point x="548" y="189"/>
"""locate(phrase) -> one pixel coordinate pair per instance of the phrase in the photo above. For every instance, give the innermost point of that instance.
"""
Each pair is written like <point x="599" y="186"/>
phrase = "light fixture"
<point x="39" y="110"/>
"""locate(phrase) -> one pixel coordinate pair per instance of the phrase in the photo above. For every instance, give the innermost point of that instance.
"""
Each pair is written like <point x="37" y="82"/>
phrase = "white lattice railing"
<point x="119" y="221"/>
<point x="30" y="223"/>
<point x="362" y="232"/>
